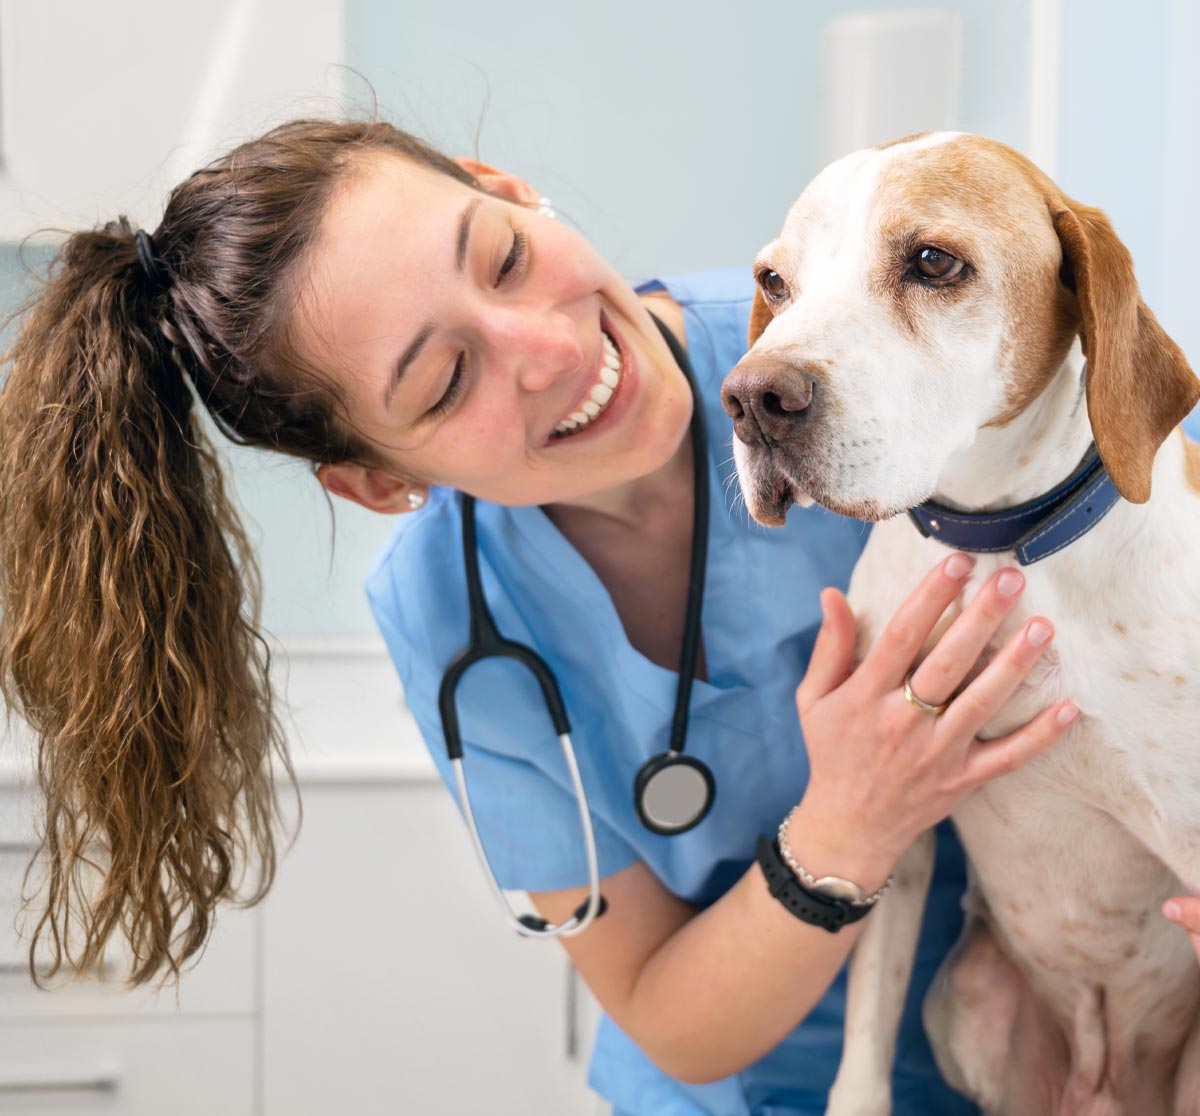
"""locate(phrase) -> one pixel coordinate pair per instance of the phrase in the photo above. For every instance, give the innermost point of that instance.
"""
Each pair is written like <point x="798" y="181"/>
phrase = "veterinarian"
<point x="422" y="329"/>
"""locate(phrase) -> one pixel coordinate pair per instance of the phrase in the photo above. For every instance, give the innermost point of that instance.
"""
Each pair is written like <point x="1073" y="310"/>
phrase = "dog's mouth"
<point x="774" y="486"/>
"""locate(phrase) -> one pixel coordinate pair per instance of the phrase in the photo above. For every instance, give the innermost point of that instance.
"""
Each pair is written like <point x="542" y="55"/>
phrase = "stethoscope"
<point x="672" y="792"/>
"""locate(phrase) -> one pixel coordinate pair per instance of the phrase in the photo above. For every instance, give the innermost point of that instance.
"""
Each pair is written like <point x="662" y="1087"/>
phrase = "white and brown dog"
<point x="920" y="332"/>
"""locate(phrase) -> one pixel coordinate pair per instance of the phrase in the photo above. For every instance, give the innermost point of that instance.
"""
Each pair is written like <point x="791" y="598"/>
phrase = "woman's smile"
<point x="606" y="383"/>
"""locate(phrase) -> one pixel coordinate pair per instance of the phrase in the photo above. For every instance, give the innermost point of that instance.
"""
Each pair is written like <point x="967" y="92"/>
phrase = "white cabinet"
<point x="391" y="983"/>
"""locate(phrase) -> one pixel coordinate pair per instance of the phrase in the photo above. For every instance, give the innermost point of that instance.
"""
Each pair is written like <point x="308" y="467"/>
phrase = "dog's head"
<point x="919" y="292"/>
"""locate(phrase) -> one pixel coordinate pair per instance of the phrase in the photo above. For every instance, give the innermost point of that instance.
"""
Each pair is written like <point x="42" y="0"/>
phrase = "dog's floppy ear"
<point x="760" y="316"/>
<point x="1139" y="385"/>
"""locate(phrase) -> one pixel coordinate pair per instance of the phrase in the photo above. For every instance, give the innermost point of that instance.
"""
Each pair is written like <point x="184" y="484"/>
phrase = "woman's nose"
<point x="543" y="346"/>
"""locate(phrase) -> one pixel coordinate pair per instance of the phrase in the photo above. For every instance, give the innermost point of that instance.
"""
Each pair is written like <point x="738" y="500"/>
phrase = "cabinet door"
<point x="134" y="1068"/>
<point x="391" y="983"/>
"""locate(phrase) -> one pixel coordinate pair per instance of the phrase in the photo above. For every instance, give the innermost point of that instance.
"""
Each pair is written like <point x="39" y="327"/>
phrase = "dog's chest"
<point x="1074" y="852"/>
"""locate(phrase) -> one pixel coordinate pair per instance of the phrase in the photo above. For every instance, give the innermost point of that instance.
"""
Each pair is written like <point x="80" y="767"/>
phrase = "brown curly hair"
<point x="129" y="593"/>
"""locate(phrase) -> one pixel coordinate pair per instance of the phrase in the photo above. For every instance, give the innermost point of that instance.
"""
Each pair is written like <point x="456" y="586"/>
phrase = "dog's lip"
<point x="775" y="495"/>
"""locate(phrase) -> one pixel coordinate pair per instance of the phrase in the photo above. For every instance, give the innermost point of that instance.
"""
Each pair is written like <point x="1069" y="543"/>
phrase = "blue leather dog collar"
<point x="1034" y="530"/>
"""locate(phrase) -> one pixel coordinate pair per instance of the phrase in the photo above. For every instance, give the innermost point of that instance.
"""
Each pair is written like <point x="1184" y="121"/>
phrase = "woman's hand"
<point x="1185" y="910"/>
<point x="883" y="770"/>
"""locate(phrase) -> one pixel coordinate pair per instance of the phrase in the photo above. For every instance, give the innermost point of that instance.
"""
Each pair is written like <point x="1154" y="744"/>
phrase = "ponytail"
<point x="129" y="594"/>
<point x="129" y="607"/>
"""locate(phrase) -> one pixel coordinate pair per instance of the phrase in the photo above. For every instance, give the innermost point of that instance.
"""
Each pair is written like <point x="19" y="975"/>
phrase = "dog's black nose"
<point x="767" y="398"/>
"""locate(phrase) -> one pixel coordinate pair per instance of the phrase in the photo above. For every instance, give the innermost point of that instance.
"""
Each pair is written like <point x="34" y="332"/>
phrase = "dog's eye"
<point x="933" y="263"/>
<point x="772" y="284"/>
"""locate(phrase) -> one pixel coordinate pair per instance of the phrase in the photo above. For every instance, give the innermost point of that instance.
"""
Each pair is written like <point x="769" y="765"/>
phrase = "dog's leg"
<point x="880" y="967"/>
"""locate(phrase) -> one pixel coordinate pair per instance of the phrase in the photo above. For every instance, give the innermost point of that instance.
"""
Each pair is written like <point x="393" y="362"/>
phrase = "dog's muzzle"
<point x="767" y="398"/>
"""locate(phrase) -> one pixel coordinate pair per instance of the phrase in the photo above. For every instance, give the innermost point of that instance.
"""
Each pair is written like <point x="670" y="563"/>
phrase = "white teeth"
<point x="601" y="392"/>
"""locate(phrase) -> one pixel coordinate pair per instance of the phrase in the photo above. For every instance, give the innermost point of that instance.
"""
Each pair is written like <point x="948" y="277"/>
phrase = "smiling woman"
<point x="420" y="331"/>
<point x="506" y="334"/>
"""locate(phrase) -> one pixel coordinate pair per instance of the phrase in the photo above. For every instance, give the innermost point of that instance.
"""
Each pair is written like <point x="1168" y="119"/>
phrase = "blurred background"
<point x="377" y="976"/>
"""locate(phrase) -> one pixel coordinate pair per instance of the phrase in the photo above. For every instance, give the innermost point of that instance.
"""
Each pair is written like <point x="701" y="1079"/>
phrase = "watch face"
<point x="837" y="888"/>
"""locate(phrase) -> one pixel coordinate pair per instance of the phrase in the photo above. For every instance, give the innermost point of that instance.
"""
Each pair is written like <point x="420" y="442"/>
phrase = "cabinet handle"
<point x="95" y="1083"/>
<point x="12" y="848"/>
<point x="572" y="1028"/>
<point x="21" y="968"/>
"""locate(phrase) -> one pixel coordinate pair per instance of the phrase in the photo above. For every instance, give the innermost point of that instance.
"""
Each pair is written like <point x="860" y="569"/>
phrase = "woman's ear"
<point x="500" y="183"/>
<point x="375" y="490"/>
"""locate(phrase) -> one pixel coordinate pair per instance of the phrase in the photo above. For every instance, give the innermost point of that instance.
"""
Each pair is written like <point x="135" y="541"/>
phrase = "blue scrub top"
<point x="759" y="621"/>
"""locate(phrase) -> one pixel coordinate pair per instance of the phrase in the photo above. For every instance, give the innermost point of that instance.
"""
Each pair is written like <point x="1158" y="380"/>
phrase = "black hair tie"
<point x="153" y="267"/>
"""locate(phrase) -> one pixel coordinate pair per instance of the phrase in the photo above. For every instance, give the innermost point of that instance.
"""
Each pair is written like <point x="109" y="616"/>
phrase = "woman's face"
<point x="467" y="329"/>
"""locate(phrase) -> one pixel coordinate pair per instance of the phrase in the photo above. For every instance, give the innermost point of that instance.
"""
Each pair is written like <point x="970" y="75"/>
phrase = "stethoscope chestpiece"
<point x="673" y="793"/>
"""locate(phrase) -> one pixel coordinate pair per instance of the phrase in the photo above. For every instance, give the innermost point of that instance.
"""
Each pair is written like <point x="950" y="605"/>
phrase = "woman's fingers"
<point x="832" y="654"/>
<point x="996" y="683"/>
<point x="1185" y="910"/>
<point x="893" y="652"/>
<point x="941" y="671"/>
<point x="987" y="759"/>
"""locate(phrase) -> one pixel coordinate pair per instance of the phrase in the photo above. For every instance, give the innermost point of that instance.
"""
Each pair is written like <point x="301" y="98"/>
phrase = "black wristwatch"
<point x="826" y="911"/>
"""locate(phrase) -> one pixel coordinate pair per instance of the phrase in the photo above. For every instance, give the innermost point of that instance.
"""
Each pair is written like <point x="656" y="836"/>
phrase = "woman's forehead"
<point x="385" y="239"/>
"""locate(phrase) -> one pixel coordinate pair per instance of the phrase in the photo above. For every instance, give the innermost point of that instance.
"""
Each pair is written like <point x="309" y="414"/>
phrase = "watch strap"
<point x="808" y="906"/>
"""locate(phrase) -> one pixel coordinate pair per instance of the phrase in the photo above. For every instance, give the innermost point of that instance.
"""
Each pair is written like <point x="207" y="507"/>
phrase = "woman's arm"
<point x="707" y="994"/>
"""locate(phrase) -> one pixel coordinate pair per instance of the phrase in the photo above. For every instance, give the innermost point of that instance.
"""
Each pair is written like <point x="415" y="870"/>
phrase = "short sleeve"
<point x="521" y="794"/>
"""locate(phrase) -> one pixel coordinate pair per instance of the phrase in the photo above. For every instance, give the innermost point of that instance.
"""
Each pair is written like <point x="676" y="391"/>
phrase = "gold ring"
<point x="923" y="706"/>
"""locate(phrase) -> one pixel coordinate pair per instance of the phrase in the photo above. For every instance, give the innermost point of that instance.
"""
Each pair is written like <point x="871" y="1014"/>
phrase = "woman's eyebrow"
<point x="460" y="258"/>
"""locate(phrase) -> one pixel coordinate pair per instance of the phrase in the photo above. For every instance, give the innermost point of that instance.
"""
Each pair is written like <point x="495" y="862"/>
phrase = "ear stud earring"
<point x="416" y="499"/>
<point x="545" y="209"/>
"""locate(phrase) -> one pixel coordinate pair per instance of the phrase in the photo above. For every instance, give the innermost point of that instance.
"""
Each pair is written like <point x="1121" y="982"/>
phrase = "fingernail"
<point x="1010" y="583"/>
<point x="1067" y="714"/>
<point x="824" y="610"/>
<point x="958" y="566"/>
<point x="1038" y="633"/>
<point x="1172" y="911"/>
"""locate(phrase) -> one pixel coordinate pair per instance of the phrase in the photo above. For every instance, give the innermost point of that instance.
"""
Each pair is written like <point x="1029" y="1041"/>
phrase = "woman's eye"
<point x="933" y="263"/>
<point x="772" y="285"/>
<point x="515" y="258"/>
<point x="453" y="389"/>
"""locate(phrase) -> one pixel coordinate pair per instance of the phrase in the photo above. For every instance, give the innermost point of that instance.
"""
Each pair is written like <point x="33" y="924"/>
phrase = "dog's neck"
<point x="1007" y="465"/>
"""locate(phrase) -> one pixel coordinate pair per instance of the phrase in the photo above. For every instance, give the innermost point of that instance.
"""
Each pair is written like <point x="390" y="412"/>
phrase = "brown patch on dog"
<point x="1179" y="680"/>
<point x="1129" y="676"/>
<point x="1153" y="745"/>
<point x="983" y="202"/>
<point x="760" y="316"/>
<point x="1119" y="628"/>
<point x="1191" y="462"/>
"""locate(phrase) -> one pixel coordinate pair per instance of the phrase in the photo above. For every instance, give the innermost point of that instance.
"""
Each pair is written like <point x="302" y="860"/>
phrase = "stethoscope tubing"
<point x="487" y="642"/>
<point x="577" y="923"/>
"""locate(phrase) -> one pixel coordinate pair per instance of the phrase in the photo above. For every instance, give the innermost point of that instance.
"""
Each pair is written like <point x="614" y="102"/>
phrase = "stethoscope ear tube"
<point x="486" y="643"/>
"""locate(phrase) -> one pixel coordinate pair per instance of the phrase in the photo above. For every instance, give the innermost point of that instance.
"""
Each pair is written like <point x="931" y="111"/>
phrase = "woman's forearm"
<point x="733" y="981"/>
